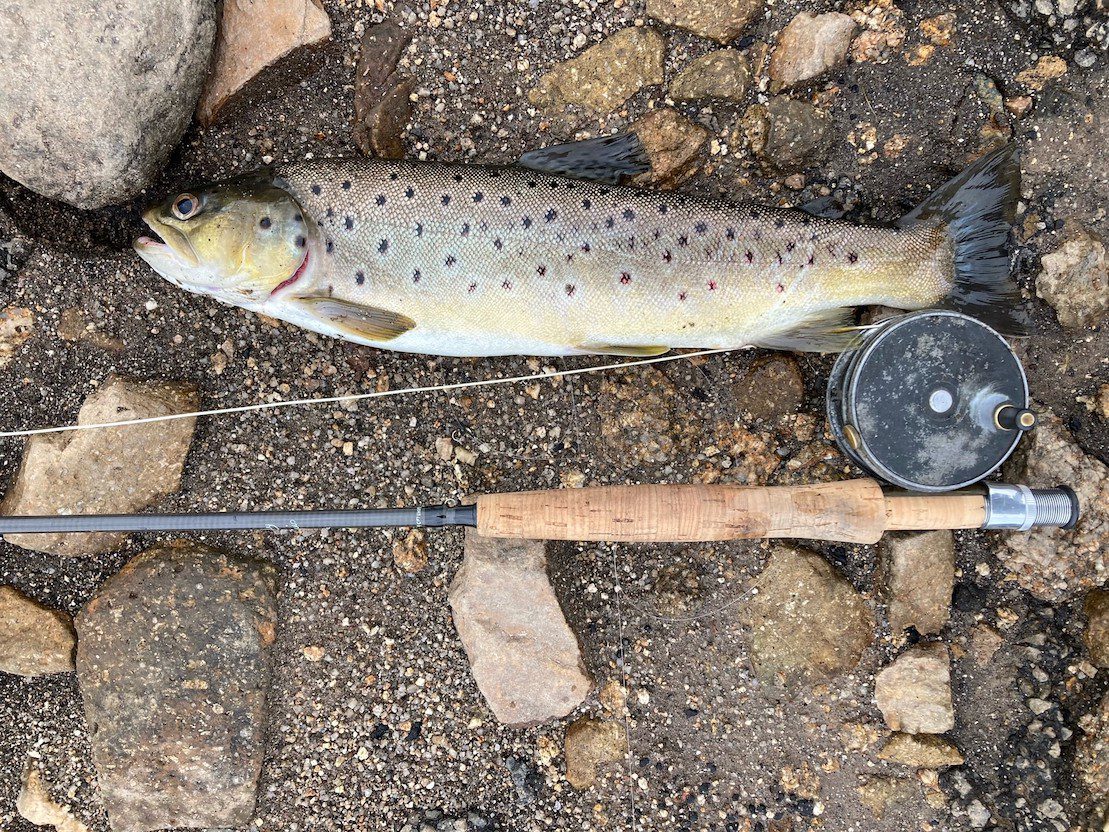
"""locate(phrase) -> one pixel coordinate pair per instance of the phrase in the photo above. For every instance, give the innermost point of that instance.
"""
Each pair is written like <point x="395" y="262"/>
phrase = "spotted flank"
<point x="468" y="260"/>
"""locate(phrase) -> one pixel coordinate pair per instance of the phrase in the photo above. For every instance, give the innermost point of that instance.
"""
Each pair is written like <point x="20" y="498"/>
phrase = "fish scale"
<point x="497" y="260"/>
<point x="455" y="259"/>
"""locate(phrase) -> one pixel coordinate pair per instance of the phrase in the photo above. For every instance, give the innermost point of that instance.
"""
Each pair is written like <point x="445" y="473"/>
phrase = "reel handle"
<point x="852" y="511"/>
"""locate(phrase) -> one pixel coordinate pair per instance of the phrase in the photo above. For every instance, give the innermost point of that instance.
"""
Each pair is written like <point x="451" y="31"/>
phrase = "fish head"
<point x="239" y="240"/>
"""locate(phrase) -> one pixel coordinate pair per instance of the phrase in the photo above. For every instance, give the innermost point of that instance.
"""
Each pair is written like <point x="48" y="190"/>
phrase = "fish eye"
<point x="185" y="206"/>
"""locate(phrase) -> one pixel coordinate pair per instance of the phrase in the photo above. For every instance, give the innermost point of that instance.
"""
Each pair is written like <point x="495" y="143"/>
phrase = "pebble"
<point x="771" y="389"/>
<point x="1056" y="564"/>
<point x="104" y="471"/>
<point x="720" y="74"/>
<point x="921" y="751"/>
<point x="410" y="551"/>
<point x="1074" y="279"/>
<point x="879" y="794"/>
<point x="786" y="134"/>
<point x="918" y="573"/>
<point x="591" y="743"/>
<point x="34" y="640"/>
<point x="173" y="662"/>
<point x="809" y="46"/>
<point x="673" y="145"/>
<point x="1096" y="634"/>
<point x="722" y="21"/>
<point x="105" y="119"/>
<point x="34" y="804"/>
<point x="914" y="693"/>
<point x="1047" y="69"/>
<point x="261" y="51"/>
<point x="604" y="76"/>
<point x="382" y="93"/>
<point x="524" y="657"/>
<point x="17" y="325"/>
<point x="807" y="623"/>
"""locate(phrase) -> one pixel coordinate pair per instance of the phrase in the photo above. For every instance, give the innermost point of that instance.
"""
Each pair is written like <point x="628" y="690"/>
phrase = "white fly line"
<point x="353" y="397"/>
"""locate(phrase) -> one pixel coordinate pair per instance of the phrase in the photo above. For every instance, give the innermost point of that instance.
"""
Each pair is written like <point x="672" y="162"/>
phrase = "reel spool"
<point x="931" y="401"/>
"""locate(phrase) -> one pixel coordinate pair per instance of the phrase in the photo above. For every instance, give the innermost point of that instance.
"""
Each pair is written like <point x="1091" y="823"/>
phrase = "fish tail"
<point x="976" y="210"/>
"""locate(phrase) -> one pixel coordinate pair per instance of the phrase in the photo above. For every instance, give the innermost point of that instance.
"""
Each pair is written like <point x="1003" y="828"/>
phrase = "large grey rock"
<point x="94" y="95"/>
<point x="721" y="20"/>
<point x="1075" y="279"/>
<point x="807" y="622"/>
<point x="720" y="74"/>
<point x="918" y="573"/>
<point x="809" y="46"/>
<point x="174" y="661"/>
<point x="34" y="641"/>
<point x="1054" y="564"/>
<point x="786" y="134"/>
<point x="104" y="471"/>
<point x="524" y="656"/>
<point x="914" y="693"/>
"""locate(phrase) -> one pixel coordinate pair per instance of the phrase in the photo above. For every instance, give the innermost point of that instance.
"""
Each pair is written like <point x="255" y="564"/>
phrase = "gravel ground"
<point x="388" y="725"/>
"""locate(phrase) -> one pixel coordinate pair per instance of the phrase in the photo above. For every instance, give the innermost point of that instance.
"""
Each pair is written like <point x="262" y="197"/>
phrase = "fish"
<point x="552" y="256"/>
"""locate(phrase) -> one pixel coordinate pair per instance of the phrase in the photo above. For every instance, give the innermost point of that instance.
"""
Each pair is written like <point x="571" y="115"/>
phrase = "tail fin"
<point x="977" y="208"/>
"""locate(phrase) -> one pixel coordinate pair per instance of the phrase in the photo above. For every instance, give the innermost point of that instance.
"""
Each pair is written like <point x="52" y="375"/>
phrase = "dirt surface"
<point x="387" y="724"/>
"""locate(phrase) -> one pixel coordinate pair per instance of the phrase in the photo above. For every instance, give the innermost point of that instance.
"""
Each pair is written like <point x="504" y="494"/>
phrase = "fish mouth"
<point x="167" y="245"/>
<point x="297" y="275"/>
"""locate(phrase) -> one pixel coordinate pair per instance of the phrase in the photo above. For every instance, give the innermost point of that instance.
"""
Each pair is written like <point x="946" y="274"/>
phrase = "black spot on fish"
<point x="629" y="214"/>
<point x="506" y="201"/>
<point x="493" y="173"/>
<point x="779" y="223"/>
<point x="383" y="246"/>
<point x="531" y="183"/>
<point x="603" y="192"/>
<point x="700" y="228"/>
<point x="316" y="190"/>
<point x="409" y="192"/>
<point x="393" y="176"/>
<point x="610" y="222"/>
<point x="570" y="289"/>
<point x="585" y="247"/>
<point x="301" y="242"/>
<point x="359" y="277"/>
<point x="330" y="246"/>
<point x="586" y="204"/>
<point x="663" y="208"/>
<point x="682" y="296"/>
<point x="553" y="184"/>
<point x="667" y="256"/>
<point x="657" y="233"/>
<point x="458" y="177"/>
<point x="812" y="259"/>
<point x="446" y="199"/>
<point x="683" y="240"/>
<point x="750" y="255"/>
<point x="416" y="276"/>
<point x="754" y="213"/>
<point x="265" y="222"/>
<point x="551" y="215"/>
<point x="507" y="284"/>
<point x="779" y="257"/>
<point x="349" y="223"/>
<point x="542" y="270"/>
<point x="730" y="233"/>
<point x="498" y="244"/>
<point x="806" y="220"/>
<point x="712" y="285"/>
<point x="471" y="287"/>
<point x="450" y="261"/>
<point x="298" y="218"/>
<point x="465" y="229"/>
<point x="852" y="257"/>
<point x="570" y="257"/>
<point x="330" y="212"/>
<point x="526" y="221"/>
<point x="479" y="196"/>
<point x="346" y="182"/>
<point x="380" y="199"/>
<point x="419" y="229"/>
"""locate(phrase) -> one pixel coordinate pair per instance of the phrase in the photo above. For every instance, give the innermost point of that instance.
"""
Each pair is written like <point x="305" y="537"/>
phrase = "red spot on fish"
<point x="681" y="296"/>
<point x="472" y="287"/>
<point x="570" y="289"/>
<point x="506" y="285"/>
<point x="625" y="278"/>
<point x="712" y="285"/>
<point x="779" y="288"/>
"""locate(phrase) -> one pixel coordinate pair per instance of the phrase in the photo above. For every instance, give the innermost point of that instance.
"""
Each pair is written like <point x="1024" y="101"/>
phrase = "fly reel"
<point x="931" y="401"/>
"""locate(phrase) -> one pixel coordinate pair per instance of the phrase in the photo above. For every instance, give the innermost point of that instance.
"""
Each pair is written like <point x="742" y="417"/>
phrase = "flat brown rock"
<point x="918" y="572"/>
<point x="914" y="693"/>
<point x="921" y="751"/>
<point x="173" y="661"/>
<point x="382" y="108"/>
<point x="524" y="656"/>
<point x="34" y="641"/>
<point x="720" y="74"/>
<point x="721" y="21"/>
<point x="104" y="471"/>
<point x="673" y="144"/>
<point x="253" y="38"/>
<point x="591" y="743"/>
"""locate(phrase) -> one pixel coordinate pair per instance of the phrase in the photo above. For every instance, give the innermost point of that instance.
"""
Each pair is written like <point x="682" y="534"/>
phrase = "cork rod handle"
<point x="853" y="511"/>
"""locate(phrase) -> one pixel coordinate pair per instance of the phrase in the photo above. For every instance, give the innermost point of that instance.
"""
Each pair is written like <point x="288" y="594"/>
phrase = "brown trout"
<point x="468" y="260"/>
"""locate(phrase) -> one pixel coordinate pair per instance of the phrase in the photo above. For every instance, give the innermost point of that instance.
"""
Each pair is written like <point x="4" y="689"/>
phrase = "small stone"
<point x="977" y="814"/>
<point x="1096" y="634"/>
<point x="880" y="794"/>
<point x="1047" y="69"/>
<point x="1019" y="105"/>
<point x="883" y="33"/>
<point x="96" y="95"/>
<point x="807" y="622"/>
<point x="34" y="640"/>
<point x="313" y="653"/>
<point x="35" y="805"/>
<point x="15" y="248"/>
<point x="720" y="74"/>
<point x="673" y="145"/>
<point x="921" y="751"/>
<point x="918" y="572"/>
<point x="771" y="389"/>
<point x="604" y="76"/>
<point x="444" y="448"/>
<point x="809" y="46"/>
<point x="410" y="551"/>
<point x="173" y="661"/>
<point x="106" y="471"/>
<point x="914" y="693"/>
<point x="382" y="94"/>
<point x="525" y="658"/>
<point x="785" y="133"/>
<point x="589" y="744"/>
<point x="939" y="29"/>
<point x="721" y="21"/>
<point x="260" y="50"/>
<point x="17" y="325"/>
<point x="984" y="643"/>
<point x="1054" y="564"/>
<point x="1075" y="279"/>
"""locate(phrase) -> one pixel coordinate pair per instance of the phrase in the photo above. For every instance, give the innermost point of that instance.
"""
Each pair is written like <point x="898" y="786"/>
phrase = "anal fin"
<point x="354" y="319"/>
<point x="829" y="330"/>
<point x="624" y="349"/>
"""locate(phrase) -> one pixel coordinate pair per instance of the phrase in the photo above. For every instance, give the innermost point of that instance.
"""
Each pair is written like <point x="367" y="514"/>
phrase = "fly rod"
<point x="851" y="511"/>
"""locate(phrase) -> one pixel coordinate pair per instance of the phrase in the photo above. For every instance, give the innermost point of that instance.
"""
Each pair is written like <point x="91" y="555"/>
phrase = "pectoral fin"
<point x="357" y="320"/>
<point x="624" y="349"/>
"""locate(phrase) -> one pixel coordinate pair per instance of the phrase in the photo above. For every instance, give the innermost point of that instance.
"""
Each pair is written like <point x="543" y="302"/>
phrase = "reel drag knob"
<point x="931" y="401"/>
